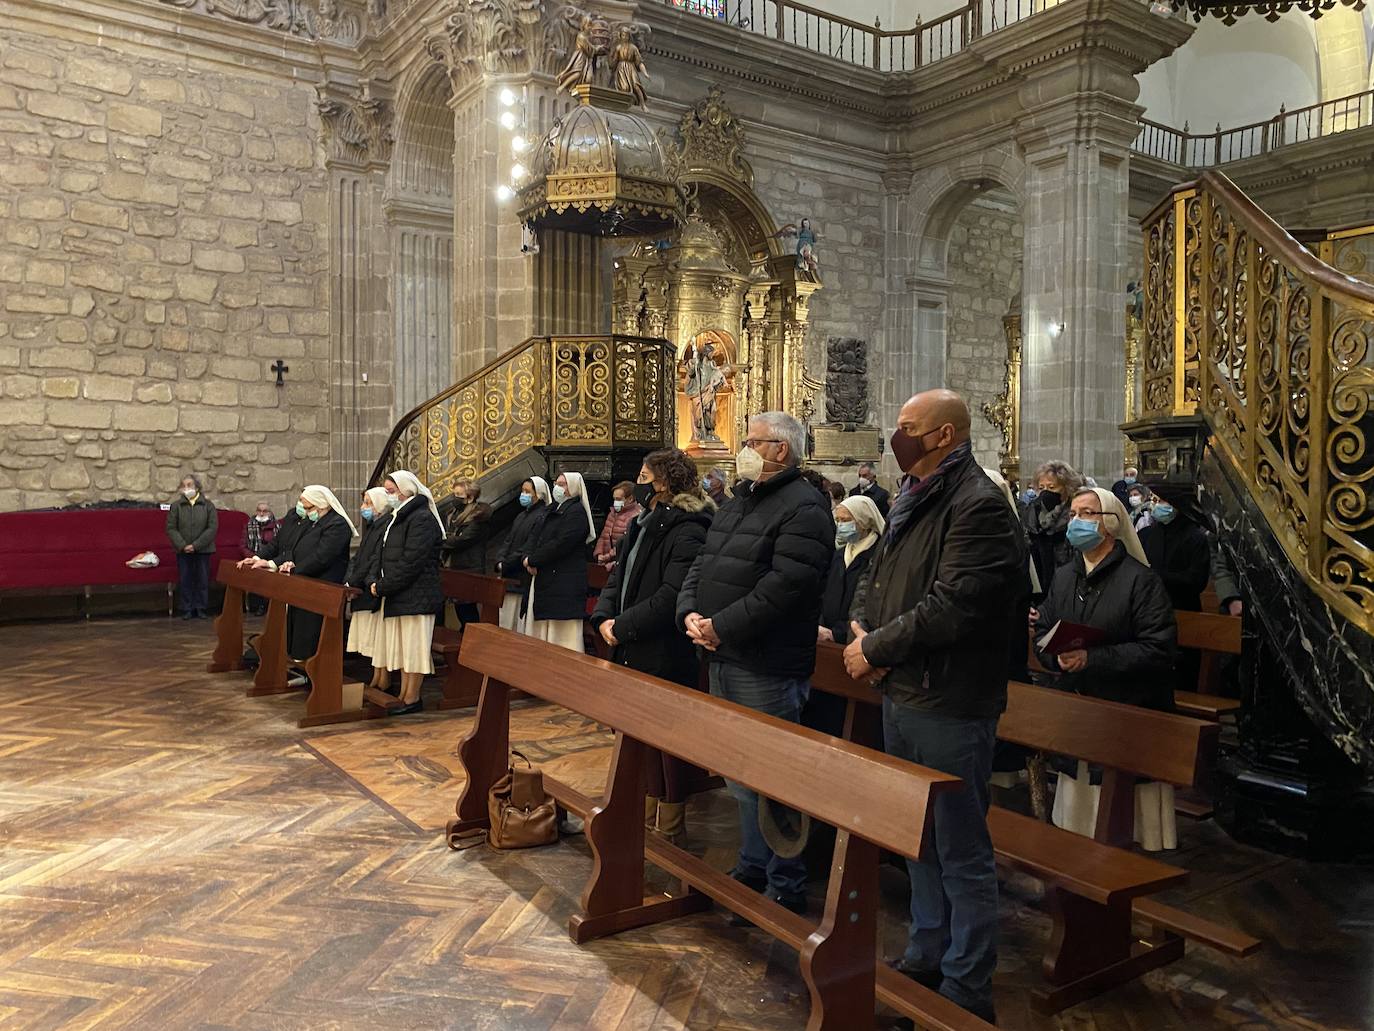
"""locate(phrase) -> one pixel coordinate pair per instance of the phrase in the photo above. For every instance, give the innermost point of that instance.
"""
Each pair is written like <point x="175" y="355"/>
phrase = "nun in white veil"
<point x="365" y="618"/>
<point x="1111" y="589"/>
<point x="557" y="563"/>
<point x="320" y="551"/>
<point x="534" y="501"/>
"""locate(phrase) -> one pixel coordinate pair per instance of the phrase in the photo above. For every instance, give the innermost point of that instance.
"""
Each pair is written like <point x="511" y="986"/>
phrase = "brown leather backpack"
<point x="522" y="813"/>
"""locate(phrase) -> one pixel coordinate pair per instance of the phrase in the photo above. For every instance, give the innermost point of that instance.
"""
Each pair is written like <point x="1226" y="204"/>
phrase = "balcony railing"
<point x="885" y="50"/>
<point x="1205" y="150"/>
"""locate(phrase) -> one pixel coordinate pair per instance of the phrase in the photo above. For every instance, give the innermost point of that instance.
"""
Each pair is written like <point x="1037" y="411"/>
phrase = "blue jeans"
<point x="954" y="888"/>
<point x="777" y="696"/>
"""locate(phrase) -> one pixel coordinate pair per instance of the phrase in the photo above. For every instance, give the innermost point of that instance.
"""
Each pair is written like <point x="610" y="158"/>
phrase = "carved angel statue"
<point x="627" y="65"/>
<point x="806" y="245"/>
<point x="593" y="42"/>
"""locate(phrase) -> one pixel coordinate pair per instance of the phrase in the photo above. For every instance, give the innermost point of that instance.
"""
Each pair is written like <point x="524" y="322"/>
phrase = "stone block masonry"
<point x="163" y="238"/>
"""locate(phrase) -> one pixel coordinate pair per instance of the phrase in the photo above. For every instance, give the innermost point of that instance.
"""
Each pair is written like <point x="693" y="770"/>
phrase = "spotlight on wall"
<point x="517" y="172"/>
<point x="1055" y="328"/>
<point x="519" y="144"/>
<point x="504" y="192"/>
<point x="508" y="119"/>
<point x="507" y="98"/>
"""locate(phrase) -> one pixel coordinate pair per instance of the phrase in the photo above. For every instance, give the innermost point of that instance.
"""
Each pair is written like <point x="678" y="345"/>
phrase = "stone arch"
<point x="943" y="194"/>
<point x="419" y="207"/>
<point x="737" y="214"/>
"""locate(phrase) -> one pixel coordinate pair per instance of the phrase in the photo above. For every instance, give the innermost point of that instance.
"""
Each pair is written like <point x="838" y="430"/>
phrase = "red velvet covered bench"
<point x="84" y="551"/>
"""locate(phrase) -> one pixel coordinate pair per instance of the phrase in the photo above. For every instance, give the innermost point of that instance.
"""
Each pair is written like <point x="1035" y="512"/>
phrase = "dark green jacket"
<point x="192" y="524"/>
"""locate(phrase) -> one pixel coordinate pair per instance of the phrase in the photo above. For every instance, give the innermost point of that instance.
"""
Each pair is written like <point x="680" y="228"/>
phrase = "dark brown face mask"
<point x="909" y="450"/>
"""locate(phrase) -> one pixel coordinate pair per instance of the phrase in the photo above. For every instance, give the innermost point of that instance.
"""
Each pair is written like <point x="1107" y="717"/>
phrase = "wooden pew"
<point x="873" y="800"/>
<point x="325" y="703"/>
<point x="1095" y="886"/>
<point x="1213" y="635"/>
<point x="462" y="685"/>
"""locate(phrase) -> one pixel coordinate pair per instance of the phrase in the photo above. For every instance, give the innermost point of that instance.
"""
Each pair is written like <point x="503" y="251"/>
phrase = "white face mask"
<point x="560" y="495"/>
<point x="262" y="518"/>
<point x="618" y="505"/>
<point x="190" y="492"/>
<point x="749" y="463"/>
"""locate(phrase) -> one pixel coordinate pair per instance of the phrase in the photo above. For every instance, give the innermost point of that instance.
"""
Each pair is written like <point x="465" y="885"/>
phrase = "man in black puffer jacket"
<point x="934" y="616"/>
<point x="752" y="600"/>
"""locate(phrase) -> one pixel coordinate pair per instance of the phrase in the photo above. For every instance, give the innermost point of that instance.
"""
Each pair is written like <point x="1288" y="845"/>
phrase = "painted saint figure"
<point x="704" y="381"/>
<point x="806" y="245"/>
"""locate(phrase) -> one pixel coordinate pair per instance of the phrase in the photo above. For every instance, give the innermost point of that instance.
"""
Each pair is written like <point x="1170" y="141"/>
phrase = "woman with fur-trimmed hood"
<point x="636" y="612"/>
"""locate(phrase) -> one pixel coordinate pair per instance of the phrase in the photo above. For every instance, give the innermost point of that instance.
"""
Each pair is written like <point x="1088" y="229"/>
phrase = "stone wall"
<point x="984" y="274"/>
<point x="162" y="243"/>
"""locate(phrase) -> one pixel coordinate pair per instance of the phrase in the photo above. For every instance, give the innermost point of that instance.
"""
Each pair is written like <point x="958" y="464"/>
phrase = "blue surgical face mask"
<point x="845" y="532"/>
<point x="1129" y="480"/>
<point x="706" y="486"/>
<point x="526" y="500"/>
<point x="1164" y="513"/>
<point x="1084" y="534"/>
<point x="560" y="494"/>
<point x="367" y="514"/>
<point x="300" y="510"/>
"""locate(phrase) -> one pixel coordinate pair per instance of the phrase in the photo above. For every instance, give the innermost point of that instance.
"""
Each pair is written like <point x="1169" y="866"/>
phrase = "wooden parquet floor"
<point x="175" y="855"/>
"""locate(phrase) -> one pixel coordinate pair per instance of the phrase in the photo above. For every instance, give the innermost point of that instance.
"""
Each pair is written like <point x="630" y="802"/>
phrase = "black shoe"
<point x="754" y="882"/>
<point x="405" y="710"/>
<point x="792" y="903"/>
<point x="188" y="615"/>
<point x="986" y="1012"/>
<point x="923" y="976"/>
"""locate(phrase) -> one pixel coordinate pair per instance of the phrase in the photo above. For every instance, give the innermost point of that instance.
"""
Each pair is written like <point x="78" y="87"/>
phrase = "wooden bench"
<point x="873" y="800"/>
<point x="325" y="703"/>
<point x="1094" y="886"/>
<point x="463" y="685"/>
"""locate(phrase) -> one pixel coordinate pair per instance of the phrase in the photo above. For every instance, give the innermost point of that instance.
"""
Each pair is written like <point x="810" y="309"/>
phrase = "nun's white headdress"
<point x="322" y="497"/>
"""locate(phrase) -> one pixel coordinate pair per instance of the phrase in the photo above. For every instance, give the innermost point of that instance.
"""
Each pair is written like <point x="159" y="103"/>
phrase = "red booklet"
<point x="1067" y="637"/>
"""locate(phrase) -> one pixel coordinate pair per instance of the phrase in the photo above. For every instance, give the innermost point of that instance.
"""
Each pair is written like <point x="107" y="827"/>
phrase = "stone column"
<point x="1077" y="250"/>
<point x="893" y="367"/>
<point x="357" y="131"/>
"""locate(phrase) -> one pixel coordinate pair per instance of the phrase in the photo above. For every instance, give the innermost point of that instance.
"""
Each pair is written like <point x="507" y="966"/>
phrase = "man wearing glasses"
<point x="934" y="616"/>
<point x="752" y="601"/>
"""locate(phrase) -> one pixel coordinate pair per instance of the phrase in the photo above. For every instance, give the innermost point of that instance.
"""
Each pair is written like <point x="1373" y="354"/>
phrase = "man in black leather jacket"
<point x="933" y="618"/>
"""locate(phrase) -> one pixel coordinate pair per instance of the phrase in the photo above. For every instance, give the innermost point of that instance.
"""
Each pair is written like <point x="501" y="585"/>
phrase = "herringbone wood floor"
<point x="176" y="855"/>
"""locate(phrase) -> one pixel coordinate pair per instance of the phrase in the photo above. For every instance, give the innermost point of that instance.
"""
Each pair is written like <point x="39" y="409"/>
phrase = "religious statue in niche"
<point x="707" y="377"/>
<point x="598" y="39"/>
<point x="846" y="380"/>
<point x="806" y="245"/>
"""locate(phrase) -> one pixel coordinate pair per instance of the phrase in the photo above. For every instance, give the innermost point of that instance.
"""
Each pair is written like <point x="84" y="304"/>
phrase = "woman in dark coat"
<point x="636" y="612"/>
<point x="557" y="608"/>
<point x="319" y="551"/>
<point x="1110" y="587"/>
<point x="408" y="583"/>
<point x="1179" y="552"/>
<point x="1047" y="518"/>
<point x="524" y="534"/>
<point x="192" y="523"/>
<point x="365" y="624"/>
<point x="858" y="527"/>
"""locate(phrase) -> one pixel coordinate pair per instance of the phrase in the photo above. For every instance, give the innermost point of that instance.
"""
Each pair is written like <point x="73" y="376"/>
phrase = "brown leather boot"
<point x="672" y="823"/>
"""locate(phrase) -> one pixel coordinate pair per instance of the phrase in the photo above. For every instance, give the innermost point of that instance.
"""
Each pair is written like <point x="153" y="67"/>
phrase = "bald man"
<point x="933" y="617"/>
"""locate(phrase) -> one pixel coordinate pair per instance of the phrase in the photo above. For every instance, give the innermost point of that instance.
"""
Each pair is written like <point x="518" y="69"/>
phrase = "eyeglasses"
<point x="763" y="440"/>
<point x="1088" y="513"/>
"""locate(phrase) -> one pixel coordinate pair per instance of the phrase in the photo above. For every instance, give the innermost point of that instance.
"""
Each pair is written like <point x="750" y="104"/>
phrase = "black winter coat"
<point x="362" y="570"/>
<point x="875" y="494"/>
<point x="1128" y="602"/>
<point x="1181" y="556"/>
<point x="289" y="529"/>
<point x="560" y="560"/>
<point x="466" y="530"/>
<point x="524" y="534"/>
<point x="840" y="585"/>
<point x="1046" y="532"/>
<point x="318" y="550"/>
<point x="940" y="600"/>
<point x="408" y="570"/>
<point x="651" y="638"/>
<point x="761" y="573"/>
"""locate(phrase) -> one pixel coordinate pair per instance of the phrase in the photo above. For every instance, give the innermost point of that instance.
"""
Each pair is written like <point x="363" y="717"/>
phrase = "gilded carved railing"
<point x="561" y="392"/>
<point x="1275" y="348"/>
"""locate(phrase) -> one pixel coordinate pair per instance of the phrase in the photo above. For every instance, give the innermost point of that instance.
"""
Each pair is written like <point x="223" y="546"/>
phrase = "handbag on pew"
<point x="522" y="813"/>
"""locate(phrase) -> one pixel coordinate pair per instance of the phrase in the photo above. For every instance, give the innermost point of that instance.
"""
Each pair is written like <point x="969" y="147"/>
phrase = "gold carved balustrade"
<point x="1274" y="347"/>
<point x="562" y="392"/>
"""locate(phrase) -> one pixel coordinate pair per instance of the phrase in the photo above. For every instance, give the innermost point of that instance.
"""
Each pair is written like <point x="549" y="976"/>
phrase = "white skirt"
<point x="364" y="631"/>
<point x="406" y="642"/>
<point x="510" y="613"/>
<point x="566" y="633"/>
<point x="1075" y="809"/>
